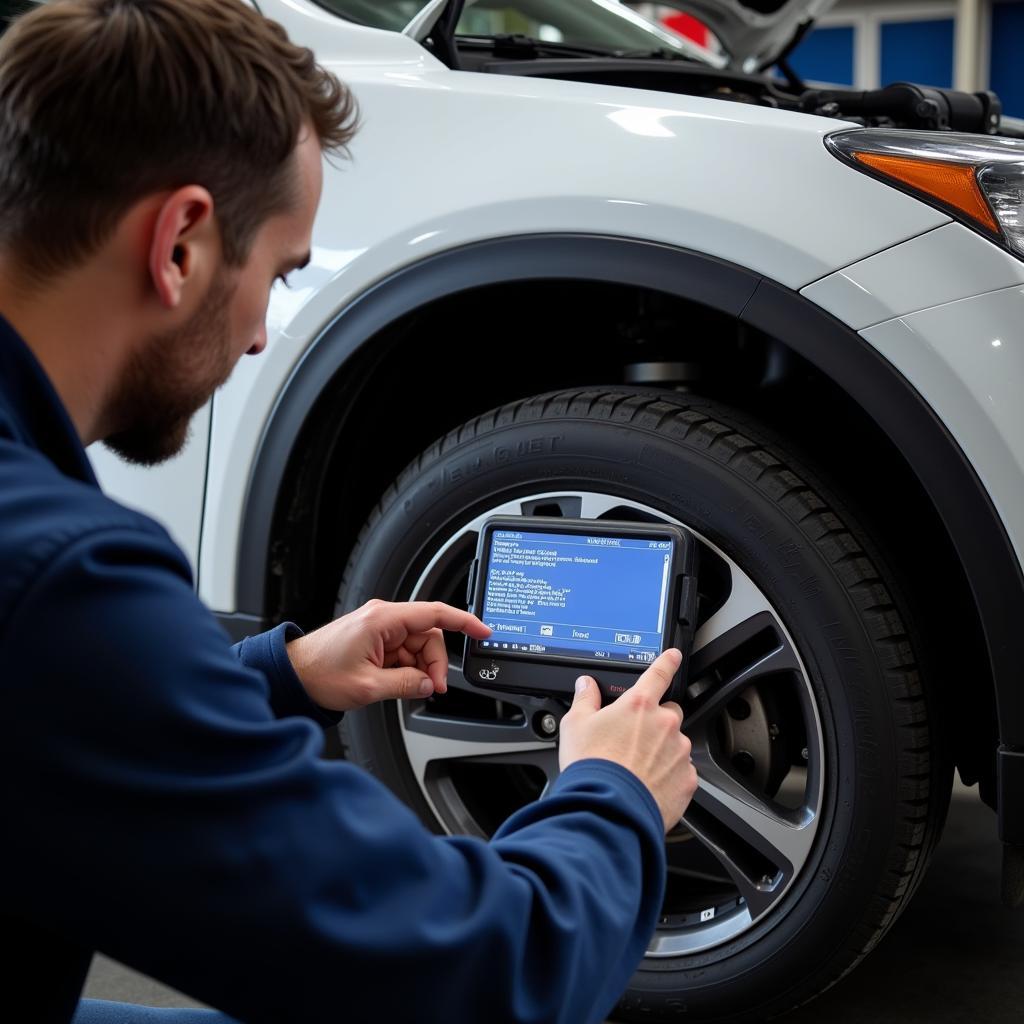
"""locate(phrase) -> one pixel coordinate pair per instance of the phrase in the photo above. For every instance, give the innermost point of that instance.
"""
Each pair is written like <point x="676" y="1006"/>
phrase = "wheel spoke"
<point x="700" y="876"/>
<point x="782" y="836"/>
<point x="593" y="506"/>
<point x="757" y="896"/>
<point x="519" y="506"/>
<point x="546" y="759"/>
<point x="744" y="602"/>
<point x="431" y="736"/>
<point x="732" y="821"/>
<point x="772" y="655"/>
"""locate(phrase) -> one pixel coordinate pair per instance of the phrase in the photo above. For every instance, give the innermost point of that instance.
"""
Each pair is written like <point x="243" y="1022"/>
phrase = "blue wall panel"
<point x="825" y="55"/>
<point x="918" y="51"/>
<point x="1008" y="56"/>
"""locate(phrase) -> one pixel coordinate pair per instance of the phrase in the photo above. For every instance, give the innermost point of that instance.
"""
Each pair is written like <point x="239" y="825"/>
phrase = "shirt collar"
<point x="36" y="414"/>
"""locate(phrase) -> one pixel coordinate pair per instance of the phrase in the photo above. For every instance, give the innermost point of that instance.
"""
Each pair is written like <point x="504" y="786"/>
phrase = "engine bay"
<point x="899" y="105"/>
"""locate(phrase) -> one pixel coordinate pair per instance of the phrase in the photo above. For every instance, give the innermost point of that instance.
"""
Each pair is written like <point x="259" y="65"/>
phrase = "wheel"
<point x="821" y="791"/>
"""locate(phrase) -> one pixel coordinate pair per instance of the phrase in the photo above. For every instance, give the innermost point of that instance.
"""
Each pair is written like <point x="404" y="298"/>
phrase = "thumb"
<point x="588" y="697"/>
<point x="403" y="684"/>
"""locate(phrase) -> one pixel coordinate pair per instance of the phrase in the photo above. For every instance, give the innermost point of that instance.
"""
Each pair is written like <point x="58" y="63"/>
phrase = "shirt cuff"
<point x="266" y="653"/>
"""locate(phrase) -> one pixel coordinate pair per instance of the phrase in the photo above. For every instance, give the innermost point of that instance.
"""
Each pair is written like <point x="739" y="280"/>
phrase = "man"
<point x="160" y="167"/>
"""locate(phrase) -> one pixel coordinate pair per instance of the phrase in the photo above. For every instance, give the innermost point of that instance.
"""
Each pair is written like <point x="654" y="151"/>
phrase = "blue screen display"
<point x="600" y="598"/>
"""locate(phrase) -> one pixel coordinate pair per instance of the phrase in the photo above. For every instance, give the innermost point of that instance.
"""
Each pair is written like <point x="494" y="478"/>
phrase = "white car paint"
<point x="446" y="158"/>
<point x="949" y="263"/>
<point x="967" y="358"/>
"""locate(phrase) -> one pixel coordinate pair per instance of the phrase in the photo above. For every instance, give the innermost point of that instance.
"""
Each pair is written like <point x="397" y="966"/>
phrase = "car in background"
<point x="580" y="266"/>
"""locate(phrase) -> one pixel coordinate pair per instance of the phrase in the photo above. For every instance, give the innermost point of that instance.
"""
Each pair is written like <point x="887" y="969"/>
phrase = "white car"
<point x="577" y="266"/>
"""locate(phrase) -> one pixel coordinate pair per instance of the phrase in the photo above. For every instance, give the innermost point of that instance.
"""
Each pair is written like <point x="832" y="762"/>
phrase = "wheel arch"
<point x="754" y="303"/>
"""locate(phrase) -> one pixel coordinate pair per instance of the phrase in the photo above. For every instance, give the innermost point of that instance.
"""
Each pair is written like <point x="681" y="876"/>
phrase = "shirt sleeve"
<point x="159" y="811"/>
<point x="266" y="653"/>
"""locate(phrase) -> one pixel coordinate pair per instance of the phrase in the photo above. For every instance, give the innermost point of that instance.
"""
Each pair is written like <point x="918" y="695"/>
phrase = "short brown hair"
<point x="103" y="102"/>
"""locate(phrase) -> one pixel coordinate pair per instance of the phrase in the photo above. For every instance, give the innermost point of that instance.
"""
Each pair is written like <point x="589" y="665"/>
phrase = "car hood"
<point x="754" y="33"/>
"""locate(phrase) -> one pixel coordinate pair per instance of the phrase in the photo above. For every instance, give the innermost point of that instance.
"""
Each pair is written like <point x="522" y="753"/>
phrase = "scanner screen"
<point x="595" y="598"/>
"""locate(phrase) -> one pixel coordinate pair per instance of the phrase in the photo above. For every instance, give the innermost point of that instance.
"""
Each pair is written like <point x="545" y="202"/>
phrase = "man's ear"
<point x="184" y="245"/>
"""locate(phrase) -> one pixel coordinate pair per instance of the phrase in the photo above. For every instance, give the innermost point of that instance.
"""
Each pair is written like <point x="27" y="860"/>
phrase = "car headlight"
<point x="977" y="179"/>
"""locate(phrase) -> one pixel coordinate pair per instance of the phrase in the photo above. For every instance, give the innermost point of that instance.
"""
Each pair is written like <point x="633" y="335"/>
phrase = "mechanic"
<point x="164" y="797"/>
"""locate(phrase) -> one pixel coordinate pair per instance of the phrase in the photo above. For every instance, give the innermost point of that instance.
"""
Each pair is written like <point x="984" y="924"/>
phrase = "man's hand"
<point x="636" y="732"/>
<point x="381" y="651"/>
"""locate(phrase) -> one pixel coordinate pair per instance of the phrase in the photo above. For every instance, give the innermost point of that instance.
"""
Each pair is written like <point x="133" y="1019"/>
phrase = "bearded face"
<point x="170" y="377"/>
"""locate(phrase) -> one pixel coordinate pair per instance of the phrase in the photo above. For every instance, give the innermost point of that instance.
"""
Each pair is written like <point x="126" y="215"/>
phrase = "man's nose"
<point x="259" y="343"/>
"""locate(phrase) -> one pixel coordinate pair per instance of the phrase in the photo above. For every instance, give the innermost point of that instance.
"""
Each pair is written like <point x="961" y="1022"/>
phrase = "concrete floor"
<point x="955" y="957"/>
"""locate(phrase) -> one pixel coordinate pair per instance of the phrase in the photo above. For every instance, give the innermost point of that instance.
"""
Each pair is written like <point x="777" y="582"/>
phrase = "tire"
<point x="830" y="751"/>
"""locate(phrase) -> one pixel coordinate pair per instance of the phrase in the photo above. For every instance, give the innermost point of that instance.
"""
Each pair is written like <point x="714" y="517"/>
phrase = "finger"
<point x="658" y="677"/>
<point x="673" y="706"/>
<point x="419" y="616"/>
<point x="587" y="698"/>
<point x="404" y="657"/>
<point x="403" y="684"/>
<point x="433" y="658"/>
<point x="428" y="651"/>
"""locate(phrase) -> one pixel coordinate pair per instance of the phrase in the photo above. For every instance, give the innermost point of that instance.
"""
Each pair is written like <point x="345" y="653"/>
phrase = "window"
<point x="595" y="23"/>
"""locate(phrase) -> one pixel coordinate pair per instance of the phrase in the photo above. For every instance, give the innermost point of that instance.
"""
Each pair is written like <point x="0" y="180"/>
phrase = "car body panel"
<point x="447" y="158"/>
<point x="967" y="357"/>
<point x="952" y="262"/>
<point x="334" y="39"/>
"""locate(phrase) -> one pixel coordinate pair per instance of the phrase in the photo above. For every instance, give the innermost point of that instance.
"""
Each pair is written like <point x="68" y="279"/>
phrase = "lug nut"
<point x="804" y="754"/>
<point x="548" y="724"/>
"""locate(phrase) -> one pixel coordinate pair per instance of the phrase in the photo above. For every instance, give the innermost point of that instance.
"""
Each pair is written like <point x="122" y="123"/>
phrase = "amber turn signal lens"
<point x="953" y="184"/>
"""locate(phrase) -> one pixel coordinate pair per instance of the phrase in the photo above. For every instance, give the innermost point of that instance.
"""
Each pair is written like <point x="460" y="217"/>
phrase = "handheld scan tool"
<point x="566" y="597"/>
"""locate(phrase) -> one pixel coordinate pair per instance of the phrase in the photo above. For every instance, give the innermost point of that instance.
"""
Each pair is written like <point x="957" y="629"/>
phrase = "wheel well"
<point x="459" y="356"/>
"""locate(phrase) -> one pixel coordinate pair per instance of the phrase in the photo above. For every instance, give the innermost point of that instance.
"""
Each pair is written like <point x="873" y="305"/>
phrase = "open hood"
<point x="754" y="33"/>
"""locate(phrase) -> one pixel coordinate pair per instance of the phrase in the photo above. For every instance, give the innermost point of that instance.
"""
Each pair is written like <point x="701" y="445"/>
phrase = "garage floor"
<point x="955" y="957"/>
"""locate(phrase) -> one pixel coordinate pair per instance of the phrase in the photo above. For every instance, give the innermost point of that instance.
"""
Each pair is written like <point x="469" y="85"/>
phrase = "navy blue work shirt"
<point x="164" y="801"/>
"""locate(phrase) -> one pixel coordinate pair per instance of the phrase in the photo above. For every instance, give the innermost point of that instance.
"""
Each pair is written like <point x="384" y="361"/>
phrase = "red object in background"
<point x="687" y="25"/>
